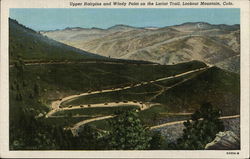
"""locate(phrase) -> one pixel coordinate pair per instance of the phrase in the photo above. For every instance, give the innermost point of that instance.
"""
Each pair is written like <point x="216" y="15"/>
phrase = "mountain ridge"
<point x="162" y="45"/>
<point x="145" y="27"/>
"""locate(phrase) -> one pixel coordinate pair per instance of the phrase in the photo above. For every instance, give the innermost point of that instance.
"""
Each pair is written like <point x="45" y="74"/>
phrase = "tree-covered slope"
<point x="30" y="45"/>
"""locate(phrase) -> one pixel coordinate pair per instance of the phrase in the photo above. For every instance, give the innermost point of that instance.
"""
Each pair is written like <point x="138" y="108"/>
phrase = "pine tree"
<point x="202" y="129"/>
<point x="128" y="132"/>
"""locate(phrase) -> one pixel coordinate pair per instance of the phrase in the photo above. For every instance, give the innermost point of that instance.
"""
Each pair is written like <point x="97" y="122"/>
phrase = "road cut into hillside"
<point x="141" y="105"/>
<point x="57" y="103"/>
<point x="182" y="121"/>
<point x="76" y="127"/>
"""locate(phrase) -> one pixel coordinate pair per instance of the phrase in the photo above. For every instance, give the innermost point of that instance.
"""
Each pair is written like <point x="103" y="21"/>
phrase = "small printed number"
<point x="233" y="153"/>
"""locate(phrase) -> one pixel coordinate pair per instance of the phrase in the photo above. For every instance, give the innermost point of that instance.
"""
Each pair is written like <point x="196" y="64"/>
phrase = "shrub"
<point x="202" y="129"/>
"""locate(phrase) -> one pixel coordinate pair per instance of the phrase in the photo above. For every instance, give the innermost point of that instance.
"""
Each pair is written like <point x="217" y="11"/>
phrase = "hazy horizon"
<point x="61" y="18"/>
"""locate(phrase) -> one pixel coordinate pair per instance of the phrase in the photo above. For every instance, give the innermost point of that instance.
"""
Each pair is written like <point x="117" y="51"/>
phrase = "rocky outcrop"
<point x="232" y="125"/>
<point x="172" y="132"/>
<point x="224" y="141"/>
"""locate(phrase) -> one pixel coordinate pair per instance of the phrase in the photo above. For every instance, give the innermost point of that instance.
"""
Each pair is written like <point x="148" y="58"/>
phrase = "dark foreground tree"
<point x="87" y="139"/>
<point x="157" y="141"/>
<point x="202" y="129"/>
<point x="128" y="133"/>
<point x="29" y="133"/>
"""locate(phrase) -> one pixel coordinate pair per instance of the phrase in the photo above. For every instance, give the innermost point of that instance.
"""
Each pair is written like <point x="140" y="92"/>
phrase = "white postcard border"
<point x="4" y="98"/>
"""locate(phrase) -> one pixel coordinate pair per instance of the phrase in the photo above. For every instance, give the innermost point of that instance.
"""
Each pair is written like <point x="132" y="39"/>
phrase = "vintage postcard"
<point x="124" y="79"/>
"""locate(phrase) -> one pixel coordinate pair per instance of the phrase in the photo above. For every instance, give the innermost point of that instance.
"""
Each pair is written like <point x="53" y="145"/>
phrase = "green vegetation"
<point x="198" y="133"/>
<point x="173" y="81"/>
<point x="30" y="45"/>
<point x="64" y="121"/>
<point x="102" y="124"/>
<point x="117" y="96"/>
<point x="62" y="79"/>
<point x="157" y="141"/>
<point x="33" y="87"/>
<point x="29" y="133"/>
<point x="214" y="85"/>
<point x="156" y="114"/>
<point x="142" y="93"/>
<point x="150" y="117"/>
<point x="128" y="133"/>
<point x="88" y="139"/>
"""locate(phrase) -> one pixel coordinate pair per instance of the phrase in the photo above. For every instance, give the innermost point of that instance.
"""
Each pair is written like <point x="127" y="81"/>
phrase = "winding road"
<point x="182" y="121"/>
<point x="75" y="128"/>
<point x="55" y="105"/>
<point x="27" y="63"/>
<point x="143" y="106"/>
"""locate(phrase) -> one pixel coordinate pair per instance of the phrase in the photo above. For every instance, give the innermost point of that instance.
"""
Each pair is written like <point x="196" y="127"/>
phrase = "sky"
<point x="60" y="18"/>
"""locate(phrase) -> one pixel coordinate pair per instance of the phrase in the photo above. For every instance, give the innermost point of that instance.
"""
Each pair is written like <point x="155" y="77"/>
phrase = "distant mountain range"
<point x="213" y="44"/>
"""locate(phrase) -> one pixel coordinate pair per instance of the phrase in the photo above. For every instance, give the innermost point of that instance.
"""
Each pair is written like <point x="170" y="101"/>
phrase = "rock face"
<point x="224" y="141"/>
<point x="172" y="132"/>
<point x="232" y="125"/>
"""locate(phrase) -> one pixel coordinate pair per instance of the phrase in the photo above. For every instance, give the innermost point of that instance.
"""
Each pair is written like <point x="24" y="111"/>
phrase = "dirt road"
<point x="75" y="128"/>
<point x="142" y="105"/>
<point x="182" y="121"/>
<point x="81" y="62"/>
<point x="57" y="103"/>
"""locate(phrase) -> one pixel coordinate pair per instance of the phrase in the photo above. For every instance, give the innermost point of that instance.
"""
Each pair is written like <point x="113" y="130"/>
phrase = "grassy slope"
<point x="141" y="93"/>
<point x="55" y="80"/>
<point x="30" y="45"/>
<point x="214" y="85"/>
<point x="219" y="87"/>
